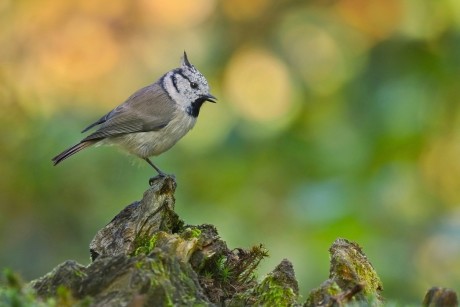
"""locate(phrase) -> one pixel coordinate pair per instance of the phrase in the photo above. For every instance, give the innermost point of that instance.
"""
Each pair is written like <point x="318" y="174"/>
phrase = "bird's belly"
<point x="153" y="143"/>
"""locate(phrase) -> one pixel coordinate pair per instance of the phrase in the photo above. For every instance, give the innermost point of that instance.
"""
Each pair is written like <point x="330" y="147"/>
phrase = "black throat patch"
<point x="194" y="108"/>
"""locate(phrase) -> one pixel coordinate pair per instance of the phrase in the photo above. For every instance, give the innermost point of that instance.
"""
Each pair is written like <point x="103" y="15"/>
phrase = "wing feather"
<point x="149" y="109"/>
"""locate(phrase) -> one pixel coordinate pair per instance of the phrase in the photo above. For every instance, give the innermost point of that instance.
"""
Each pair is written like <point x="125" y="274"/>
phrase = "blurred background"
<point x="335" y="119"/>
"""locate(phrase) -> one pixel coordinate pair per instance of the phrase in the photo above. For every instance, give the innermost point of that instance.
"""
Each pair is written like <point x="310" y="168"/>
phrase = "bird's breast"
<point x="153" y="143"/>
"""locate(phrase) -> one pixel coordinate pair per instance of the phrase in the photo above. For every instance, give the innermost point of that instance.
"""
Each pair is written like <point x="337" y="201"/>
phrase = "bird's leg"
<point x="160" y="173"/>
<point x="156" y="168"/>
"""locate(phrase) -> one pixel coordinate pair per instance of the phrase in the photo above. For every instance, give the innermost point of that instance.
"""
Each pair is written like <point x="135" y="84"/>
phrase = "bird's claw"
<point x="160" y="176"/>
<point x="153" y="179"/>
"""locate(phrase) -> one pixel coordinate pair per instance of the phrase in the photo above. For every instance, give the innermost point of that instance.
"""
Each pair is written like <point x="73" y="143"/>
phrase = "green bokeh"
<point x="372" y="159"/>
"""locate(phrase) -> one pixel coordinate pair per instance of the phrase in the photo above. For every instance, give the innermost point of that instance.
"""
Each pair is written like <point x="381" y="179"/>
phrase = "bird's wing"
<point x="148" y="109"/>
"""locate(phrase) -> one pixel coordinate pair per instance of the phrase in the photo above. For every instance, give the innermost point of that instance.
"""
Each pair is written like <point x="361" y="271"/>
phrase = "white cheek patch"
<point x="172" y="92"/>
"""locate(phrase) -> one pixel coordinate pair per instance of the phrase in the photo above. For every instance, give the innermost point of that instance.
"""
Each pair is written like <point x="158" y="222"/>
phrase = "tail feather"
<point x="72" y="150"/>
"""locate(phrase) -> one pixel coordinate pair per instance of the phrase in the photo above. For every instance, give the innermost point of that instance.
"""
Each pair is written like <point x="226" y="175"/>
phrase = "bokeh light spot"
<point x="244" y="10"/>
<point x="79" y="50"/>
<point x="377" y="18"/>
<point x="425" y="21"/>
<point x="257" y="83"/>
<point x="441" y="168"/>
<point x="177" y="13"/>
<point x="315" y="54"/>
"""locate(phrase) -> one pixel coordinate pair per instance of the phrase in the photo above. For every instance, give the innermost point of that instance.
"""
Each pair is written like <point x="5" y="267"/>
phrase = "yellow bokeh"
<point x="244" y="10"/>
<point x="313" y="44"/>
<point x="257" y="84"/>
<point x="376" y="18"/>
<point x="177" y="13"/>
<point x="80" y="50"/>
<point x="440" y="166"/>
<point x="426" y="21"/>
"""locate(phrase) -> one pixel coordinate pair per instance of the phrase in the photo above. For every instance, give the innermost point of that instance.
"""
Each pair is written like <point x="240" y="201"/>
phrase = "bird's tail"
<point x="72" y="150"/>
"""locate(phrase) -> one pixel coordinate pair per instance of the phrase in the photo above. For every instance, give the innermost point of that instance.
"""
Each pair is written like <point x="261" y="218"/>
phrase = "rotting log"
<point x="147" y="256"/>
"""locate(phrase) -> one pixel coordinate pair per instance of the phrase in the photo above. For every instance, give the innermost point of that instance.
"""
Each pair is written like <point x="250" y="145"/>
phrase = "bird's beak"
<point x="210" y="98"/>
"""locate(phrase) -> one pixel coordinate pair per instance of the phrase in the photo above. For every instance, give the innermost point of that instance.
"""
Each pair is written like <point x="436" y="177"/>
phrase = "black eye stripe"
<point x="193" y="85"/>
<point x="174" y="81"/>
<point x="183" y="76"/>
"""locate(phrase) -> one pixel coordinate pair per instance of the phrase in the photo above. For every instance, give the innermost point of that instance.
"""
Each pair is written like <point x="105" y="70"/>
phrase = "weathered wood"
<point x="351" y="278"/>
<point x="440" y="297"/>
<point x="155" y="212"/>
<point x="147" y="256"/>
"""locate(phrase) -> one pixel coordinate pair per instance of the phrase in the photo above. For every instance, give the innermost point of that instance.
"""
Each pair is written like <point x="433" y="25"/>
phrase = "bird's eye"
<point x="193" y="85"/>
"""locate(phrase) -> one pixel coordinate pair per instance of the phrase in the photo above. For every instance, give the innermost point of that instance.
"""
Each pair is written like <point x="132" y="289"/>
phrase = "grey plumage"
<point x="154" y="118"/>
<point x="148" y="109"/>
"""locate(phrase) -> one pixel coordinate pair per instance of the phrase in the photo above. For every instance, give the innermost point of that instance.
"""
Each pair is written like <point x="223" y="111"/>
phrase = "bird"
<point x="153" y="119"/>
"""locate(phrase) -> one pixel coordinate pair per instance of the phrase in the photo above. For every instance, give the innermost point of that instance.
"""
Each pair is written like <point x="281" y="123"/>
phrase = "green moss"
<point x="168" y="300"/>
<point x="79" y="273"/>
<point x="270" y="293"/>
<point x="366" y="275"/>
<point x="13" y="292"/>
<point x="144" y="244"/>
<point x="190" y="232"/>
<point x="64" y="297"/>
<point x="85" y="302"/>
<point x="223" y="273"/>
<point x="12" y="279"/>
<point x="333" y="289"/>
<point x="231" y="275"/>
<point x="158" y="268"/>
<point x="349" y="266"/>
<point x="139" y="265"/>
<point x="195" y="232"/>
